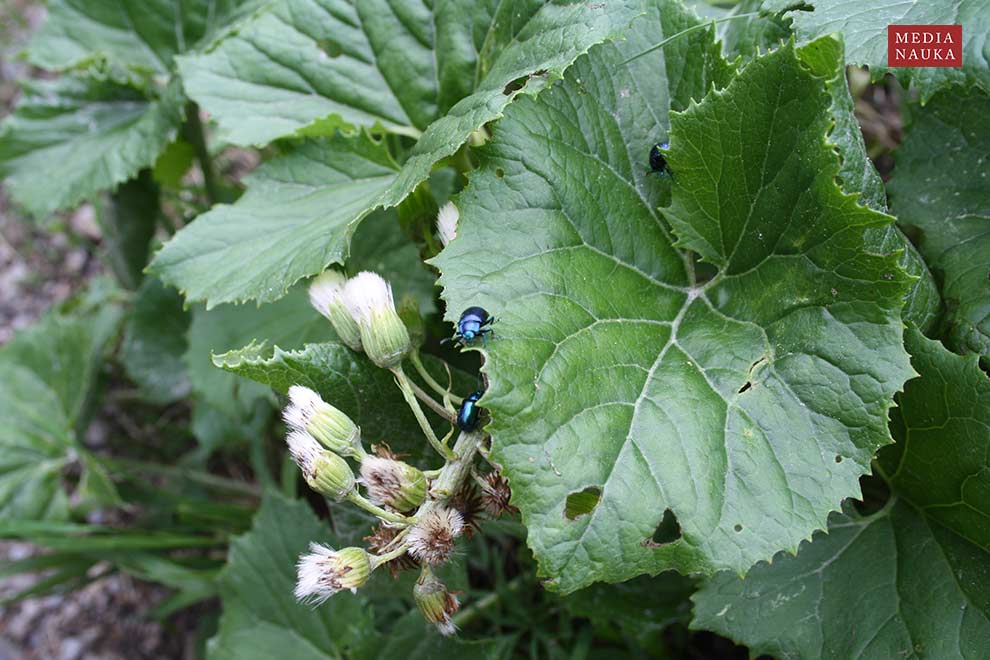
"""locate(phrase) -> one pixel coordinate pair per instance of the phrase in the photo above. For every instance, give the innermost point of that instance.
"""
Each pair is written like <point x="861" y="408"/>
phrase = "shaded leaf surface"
<point x="613" y="368"/>
<point x="942" y="186"/>
<point x="155" y="342"/>
<point x="348" y="380"/>
<point x="71" y="137"/>
<point x="261" y="618"/>
<point x="140" y="34"/>
<point x="910" y="581"/>
<point x="46" y="376"/>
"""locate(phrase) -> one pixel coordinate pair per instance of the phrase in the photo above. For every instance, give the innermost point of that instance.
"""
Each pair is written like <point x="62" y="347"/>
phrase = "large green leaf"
<point x="297" y="216"/>
<point x="144" y="35"/>
<point x="749" y="404"/>
<point x="942" y="186"/>
<point x="71" y="137"/>
<point x="279" y="75"/>
<point x="863" y="26"/>
<point x="909" y="581"/>
<point x="261" y="618"/>
<point x="46" y="377"/>
<point x="396" y="65"/>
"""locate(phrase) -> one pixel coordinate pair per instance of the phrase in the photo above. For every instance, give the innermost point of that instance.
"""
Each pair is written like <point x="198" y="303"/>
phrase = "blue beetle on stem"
<point x="467" y="416"/>
<point x="472" y="324"/>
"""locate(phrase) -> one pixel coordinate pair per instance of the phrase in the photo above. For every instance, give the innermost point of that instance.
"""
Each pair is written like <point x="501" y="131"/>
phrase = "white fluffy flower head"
<point x="307" y="411"/>
<point x="326" y="289"/>
<point x="431" y="539"/>
<point x="447" y="219"/>
<point x="325" y="571"/>
<point x="366" y="295"/>
<point x="305" y="449"/>
<point x="303" y="403"/>
<point x="384" y="336"/>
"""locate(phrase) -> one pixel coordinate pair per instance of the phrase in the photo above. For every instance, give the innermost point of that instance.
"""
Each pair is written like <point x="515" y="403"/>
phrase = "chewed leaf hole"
<point x="668" y="531"/>
<point x="582" y="502"/>
<point x="745" y="387"/>
<point x="499" y="172"/>
<point x="330" y="48"/>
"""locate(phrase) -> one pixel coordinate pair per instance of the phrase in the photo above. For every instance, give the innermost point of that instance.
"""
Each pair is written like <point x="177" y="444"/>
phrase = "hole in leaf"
<point x="737" y="527"/>
<point x="515" y="85"/>
<point x="838" y="459"/>
<point x="499" y="172"/>
<point x="745" y="387"/>
<point x="668" y="531"/>
<point x="876" y="493"/>
<point x="582" y="502"/>
<point x="329" y="47"/>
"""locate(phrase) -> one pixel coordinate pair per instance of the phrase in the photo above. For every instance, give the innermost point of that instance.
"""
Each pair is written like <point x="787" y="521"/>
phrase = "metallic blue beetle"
<point x="472" y="324"/>
<point x="467" y="416"/>
<point x="658" y="162"/>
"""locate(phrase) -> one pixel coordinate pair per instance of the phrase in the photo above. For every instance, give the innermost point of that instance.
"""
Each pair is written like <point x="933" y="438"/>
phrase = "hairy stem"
<point x="409" y="395"/>
<point x="428" y="379"/>
<point x="387" y="516"/>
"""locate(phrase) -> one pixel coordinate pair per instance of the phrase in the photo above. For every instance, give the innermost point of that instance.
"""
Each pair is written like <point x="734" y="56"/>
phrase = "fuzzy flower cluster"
<point x="362" y="311"/>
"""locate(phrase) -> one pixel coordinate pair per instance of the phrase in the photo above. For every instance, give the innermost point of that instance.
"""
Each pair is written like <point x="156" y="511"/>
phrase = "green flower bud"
<point x="324" y="471"/>
<point x="393" y="483"/>
<point x="326" y="295"/>
<point x="384" y="337"/>
<point x="325" y="571"/>
<point x="335" y="430"/>
<point x="436" y="603"/>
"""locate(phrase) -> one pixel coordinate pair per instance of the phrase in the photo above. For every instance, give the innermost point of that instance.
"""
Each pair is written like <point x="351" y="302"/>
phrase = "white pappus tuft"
<point x="326" y="289"/>
<point x="367" y="293"/>
<point x="325" y="571"/>
<point x="303" y="403"/>
<point x="304" y="449"/>
<point x="447" y="219"/>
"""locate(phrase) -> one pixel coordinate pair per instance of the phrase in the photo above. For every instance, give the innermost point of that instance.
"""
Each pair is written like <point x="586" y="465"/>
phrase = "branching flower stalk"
<point x="415" y="505"/>
<point x="409" y="394"/>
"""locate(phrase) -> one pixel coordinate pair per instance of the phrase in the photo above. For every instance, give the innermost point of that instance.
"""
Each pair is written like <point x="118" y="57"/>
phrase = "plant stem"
<point x="378" y="560"/>
<point x="204" y="478"/>
<point x="428" y="379"/>
<point x="387" y="516"/>
<point x="410" y="396"/>
<point x="195" y="135"/>
<point x="469" y="613"/>
<point x="453" y="474"/>
<point x="432" y="403"/>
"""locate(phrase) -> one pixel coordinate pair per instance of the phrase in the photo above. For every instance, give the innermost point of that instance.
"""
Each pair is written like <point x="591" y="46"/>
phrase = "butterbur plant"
<point x="512" y="328"/>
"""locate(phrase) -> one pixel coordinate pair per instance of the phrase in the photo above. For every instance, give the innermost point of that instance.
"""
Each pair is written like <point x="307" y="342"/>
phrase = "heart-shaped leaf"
<point x="745" y="403"/>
